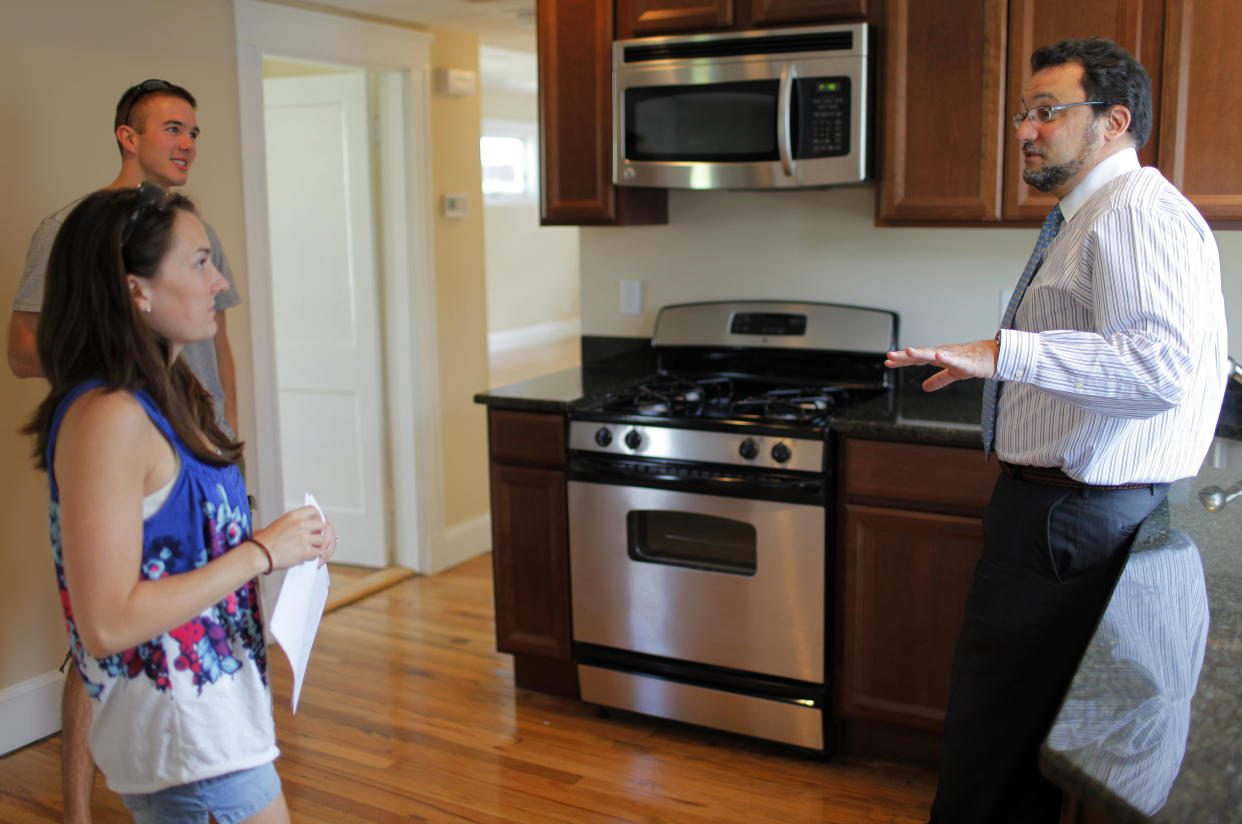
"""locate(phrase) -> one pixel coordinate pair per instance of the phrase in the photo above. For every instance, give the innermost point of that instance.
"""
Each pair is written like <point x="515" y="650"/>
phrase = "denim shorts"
<point x="231" y="798"/>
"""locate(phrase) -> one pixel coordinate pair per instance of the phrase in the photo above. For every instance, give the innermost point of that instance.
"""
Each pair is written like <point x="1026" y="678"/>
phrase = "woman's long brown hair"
<point x="89" y="327"/>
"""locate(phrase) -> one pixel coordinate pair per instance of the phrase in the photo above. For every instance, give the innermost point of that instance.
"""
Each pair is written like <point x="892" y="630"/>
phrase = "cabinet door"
<point x="530" y="560"/>
<point x="943" y="92"/>
<point x="640" y="18"/>
<point x="903" y="579"/>
<point x="1134" y="24"/>
<point x="575" y="121"/>
<point x="1202" y="64"/>
<point x="782" y="12"/>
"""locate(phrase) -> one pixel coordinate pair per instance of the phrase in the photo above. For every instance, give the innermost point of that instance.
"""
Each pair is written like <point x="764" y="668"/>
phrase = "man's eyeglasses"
<point x="136" y="93"/>
<point x="1042" y="114"/>
<point x="149" y="195"/>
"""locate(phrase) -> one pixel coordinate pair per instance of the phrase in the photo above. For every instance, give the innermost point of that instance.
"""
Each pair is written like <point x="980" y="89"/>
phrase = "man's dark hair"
<point x="128" y="110"/>
<point x="1110" y="74"/>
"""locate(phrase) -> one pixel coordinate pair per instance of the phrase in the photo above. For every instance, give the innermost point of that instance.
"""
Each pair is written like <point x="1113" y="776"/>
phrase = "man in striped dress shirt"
<point x="1110" y="372"/>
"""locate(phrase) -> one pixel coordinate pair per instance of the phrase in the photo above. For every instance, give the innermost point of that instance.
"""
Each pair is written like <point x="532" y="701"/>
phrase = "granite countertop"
<point x="947" y="417"/>
<point x="1149" y="729"/>
<point x="547" y="393"/>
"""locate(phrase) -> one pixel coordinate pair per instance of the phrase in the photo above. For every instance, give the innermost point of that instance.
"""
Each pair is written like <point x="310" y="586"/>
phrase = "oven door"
<point x="716" y="580"/>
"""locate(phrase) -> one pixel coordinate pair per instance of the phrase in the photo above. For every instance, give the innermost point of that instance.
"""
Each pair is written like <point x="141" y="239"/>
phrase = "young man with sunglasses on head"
<point x="1102" y="387"/>
<point x="156" y="130"/>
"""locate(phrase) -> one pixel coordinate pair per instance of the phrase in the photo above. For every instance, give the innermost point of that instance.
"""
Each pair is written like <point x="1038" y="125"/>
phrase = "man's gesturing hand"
<point x="958" y="361"/>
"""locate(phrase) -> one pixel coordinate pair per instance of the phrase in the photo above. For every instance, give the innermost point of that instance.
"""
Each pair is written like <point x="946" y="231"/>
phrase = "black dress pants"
<point x="1051" y="556"/>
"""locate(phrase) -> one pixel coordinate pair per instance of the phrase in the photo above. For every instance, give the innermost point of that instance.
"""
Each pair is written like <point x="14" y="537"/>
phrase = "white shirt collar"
<point x="1114" y="165"/>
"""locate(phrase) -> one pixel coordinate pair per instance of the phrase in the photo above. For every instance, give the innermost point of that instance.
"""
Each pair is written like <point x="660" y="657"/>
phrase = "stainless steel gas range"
<point x="700" y="516"/>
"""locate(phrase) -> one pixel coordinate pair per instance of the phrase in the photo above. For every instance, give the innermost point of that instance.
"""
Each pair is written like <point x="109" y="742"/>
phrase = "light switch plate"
<point x="631" y="297"/>
<point x="455" y="204"/>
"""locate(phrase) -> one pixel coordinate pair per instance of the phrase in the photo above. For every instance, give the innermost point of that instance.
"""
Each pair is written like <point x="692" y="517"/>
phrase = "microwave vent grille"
<point x="741" y="46"/>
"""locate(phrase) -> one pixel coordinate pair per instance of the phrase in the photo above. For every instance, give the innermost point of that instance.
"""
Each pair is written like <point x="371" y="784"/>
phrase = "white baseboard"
<point x="533" y="335"/>
<point x="30" y="711"/>
<point x="461" y="542"/>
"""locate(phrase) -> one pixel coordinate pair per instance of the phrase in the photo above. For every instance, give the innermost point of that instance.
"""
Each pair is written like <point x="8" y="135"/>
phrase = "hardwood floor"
<point x="410" y="714"/>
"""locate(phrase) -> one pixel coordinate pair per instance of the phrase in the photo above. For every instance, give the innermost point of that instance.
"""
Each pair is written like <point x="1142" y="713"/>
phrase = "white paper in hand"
<point x="299" y="606"/>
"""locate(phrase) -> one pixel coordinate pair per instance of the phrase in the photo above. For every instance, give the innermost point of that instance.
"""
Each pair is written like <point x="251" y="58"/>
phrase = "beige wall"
<point x="461" y="300"/>
<point x="66" y="63"/>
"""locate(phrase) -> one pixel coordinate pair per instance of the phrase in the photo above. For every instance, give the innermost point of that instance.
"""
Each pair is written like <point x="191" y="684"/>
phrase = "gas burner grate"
<point x="680" y="397"/>
<point x="788" y="404"/>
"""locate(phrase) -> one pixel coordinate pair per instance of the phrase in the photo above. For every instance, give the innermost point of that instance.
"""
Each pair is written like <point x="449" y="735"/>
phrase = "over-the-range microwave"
<point x="784" y="108"/>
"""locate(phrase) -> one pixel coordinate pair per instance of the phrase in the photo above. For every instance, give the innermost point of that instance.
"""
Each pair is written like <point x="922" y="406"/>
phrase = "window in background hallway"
<point x="507" y="150"/>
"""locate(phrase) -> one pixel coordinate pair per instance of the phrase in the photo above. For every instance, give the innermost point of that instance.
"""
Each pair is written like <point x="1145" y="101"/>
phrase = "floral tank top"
<point x="193" y="703"/>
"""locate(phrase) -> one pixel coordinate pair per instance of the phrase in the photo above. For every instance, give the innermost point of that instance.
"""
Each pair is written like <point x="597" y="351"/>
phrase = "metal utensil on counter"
<point x="1213" y="497"/>
<point x="1235" y="370"/>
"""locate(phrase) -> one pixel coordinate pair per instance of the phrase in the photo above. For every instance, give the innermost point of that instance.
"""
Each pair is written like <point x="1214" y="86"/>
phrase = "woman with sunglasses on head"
<point x="155" y="555"/>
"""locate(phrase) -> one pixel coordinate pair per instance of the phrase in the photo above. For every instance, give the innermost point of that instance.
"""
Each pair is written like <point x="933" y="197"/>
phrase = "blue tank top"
<point x="216" y="660"/>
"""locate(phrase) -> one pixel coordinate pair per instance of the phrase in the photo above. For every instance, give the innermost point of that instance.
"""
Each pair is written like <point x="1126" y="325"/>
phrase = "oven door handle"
<point x="784" y="118"/>
<point x="742" y="483"/>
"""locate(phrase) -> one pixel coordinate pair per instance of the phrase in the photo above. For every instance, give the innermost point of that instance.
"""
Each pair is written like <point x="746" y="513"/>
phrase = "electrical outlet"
<point x="631" y="297"/>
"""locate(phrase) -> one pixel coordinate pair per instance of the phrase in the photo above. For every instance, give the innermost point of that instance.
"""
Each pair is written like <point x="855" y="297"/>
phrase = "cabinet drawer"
<point x="940" y="475"/>
<point x="527" y="437"/>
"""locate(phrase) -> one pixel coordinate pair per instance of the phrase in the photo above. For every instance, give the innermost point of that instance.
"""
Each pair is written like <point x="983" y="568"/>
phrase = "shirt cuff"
<point x="1019" y="352"/>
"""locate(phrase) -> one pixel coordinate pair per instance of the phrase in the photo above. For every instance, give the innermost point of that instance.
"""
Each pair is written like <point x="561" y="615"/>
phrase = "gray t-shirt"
<point x="199" y="356"/>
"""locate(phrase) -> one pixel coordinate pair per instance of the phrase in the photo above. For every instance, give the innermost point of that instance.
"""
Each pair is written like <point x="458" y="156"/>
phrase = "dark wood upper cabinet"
<point x="641" y="18"/>
<point x="790" y="12"/>
<point x="1137" y="25"/>
<point x="942" y="99"/>
<point x="575" y="122"/>
<point x="1202" y="88"/>
<point x="953" y="72"/>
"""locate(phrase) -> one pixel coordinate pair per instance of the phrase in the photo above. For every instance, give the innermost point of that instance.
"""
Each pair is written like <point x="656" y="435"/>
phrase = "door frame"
<point x="412" y="405"/>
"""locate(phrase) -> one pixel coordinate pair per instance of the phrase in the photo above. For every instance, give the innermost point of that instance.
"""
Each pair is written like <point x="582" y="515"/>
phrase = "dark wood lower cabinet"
<point x="904" y="578"/>
<point x="910" y="533"/>
<point x="530" y="551"/>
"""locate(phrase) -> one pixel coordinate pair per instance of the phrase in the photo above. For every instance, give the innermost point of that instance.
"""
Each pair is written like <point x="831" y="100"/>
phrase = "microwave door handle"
<point x="784" y="106"/>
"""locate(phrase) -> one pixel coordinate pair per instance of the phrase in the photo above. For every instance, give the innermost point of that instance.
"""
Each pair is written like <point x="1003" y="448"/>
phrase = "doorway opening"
<point x="343" y="331"/>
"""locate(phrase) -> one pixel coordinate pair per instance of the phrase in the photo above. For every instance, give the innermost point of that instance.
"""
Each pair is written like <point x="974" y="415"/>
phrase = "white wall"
<point x="822" y="245"/>
<point x="532" y="270"/>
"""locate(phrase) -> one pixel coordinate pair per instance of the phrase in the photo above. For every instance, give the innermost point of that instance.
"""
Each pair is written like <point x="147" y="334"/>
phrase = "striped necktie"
<point x="991" y="387"/>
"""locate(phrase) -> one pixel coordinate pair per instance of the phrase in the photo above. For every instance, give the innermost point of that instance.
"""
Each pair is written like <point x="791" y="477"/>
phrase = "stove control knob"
<point x="603" y="436"/>
<point x="749" y="449"/>
<point x="781" y="453"/>
<point x="633" y="439"/>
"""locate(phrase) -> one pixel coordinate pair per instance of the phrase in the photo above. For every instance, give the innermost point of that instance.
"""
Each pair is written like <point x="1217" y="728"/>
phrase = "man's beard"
<point x="1047" y="178"/>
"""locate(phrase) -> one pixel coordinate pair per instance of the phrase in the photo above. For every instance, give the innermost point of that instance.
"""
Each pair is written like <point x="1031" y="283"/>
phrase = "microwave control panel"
<point x="823" y="117"/>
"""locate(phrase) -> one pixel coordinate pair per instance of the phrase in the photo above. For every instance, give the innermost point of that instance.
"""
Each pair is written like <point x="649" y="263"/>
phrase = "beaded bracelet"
<point x="266" y="552"/>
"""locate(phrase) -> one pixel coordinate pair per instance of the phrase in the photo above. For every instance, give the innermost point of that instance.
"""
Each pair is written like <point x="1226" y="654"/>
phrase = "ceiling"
<point x="502" y="24"/>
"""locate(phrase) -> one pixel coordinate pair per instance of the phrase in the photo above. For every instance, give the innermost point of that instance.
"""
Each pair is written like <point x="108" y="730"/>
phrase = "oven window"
<point x="720" y="122"/>
<point x="688" y="539"/>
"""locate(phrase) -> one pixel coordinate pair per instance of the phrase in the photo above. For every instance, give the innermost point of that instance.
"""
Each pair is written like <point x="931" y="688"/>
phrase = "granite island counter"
<point x="1149" y="729"/>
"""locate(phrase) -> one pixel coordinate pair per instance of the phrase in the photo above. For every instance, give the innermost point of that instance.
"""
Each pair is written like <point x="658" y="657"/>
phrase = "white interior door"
<point x="326" y="306"/>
